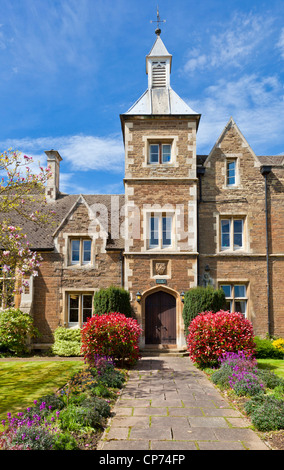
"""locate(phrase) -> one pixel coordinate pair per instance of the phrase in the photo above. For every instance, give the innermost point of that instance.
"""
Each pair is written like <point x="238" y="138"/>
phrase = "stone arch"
<point x="179" y="340"/>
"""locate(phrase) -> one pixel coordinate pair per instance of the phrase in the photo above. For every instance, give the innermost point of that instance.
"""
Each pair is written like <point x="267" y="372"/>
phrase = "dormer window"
<point x="160" y="153"/>
<point x="81" y="251"/>
<point x="159" y="75"/>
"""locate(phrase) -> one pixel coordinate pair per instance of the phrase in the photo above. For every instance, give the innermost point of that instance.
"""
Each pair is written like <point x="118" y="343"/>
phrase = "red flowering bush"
<point x="112" y="335"/>
<point x="212" y="334"/>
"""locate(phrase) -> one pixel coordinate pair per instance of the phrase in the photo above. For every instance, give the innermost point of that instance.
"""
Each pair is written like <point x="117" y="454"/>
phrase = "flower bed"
<point x="71" y="419"/>
<point x="264" y="391"/>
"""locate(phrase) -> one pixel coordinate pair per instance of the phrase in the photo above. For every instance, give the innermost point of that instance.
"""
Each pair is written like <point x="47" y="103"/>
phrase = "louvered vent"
<point x="159" y="77"/>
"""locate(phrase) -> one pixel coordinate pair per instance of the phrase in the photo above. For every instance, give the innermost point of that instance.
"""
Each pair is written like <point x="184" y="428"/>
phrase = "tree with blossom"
<point x="21" y="190"/>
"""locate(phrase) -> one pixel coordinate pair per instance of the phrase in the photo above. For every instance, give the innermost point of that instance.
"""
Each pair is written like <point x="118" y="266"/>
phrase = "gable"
<point x="230" y="143"/>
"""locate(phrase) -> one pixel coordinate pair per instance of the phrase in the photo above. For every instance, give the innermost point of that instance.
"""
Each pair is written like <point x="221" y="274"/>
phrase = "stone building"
<point x="184" y="220"/>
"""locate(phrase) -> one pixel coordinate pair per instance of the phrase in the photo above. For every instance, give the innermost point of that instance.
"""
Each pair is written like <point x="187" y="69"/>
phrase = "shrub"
<point x="113" y="378"/>
<point x="279" y="344"/>
<point x="79" y="418"/>
<point x="16" y="328"/>
<point x="266" y="350"/>
<point x="266" y="413"/>
<point x="232" y="365"/>
<point x="100" y="405"/>
<point x="246" y="383"/>
<point x="28" y="433"/>
<point x="65" y="441"/>
<point x="102" y="368"/>
<point x="89" y="413"/>
<point x="67" y="342"/>
<point x="270" y="379"/>
<point x="202" y="299"/>
<point x="112" y="335"/>
<point x="112" y="299"/>
<point x="33" y="438"/>
<point x="45" y="406"/>
<point x="212" y="334"/>
<point x="222" y="376"/>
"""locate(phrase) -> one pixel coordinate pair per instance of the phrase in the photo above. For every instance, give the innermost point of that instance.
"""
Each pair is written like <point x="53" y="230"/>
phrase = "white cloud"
<point x="81" y="152"/>
<point x="280" y="43"/>
<point x="256" y="105"/>
<point x="233" y="45"/>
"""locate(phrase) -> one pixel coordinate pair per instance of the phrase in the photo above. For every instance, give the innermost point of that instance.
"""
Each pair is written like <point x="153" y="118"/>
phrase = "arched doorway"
<point x="160" y="318"/>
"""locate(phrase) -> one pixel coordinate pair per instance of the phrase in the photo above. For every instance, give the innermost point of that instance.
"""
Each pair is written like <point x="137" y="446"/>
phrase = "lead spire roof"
<point x="159" y="100"/>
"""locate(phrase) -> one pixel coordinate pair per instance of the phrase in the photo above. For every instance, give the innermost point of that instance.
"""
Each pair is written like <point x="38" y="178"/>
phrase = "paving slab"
<point x="168" y="404"/>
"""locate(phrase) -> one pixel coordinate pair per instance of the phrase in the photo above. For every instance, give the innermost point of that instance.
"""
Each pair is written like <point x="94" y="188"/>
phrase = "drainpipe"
<point x="200" y="173"/>
<point x="265" y="171"/>
<point x="121" y="259"/>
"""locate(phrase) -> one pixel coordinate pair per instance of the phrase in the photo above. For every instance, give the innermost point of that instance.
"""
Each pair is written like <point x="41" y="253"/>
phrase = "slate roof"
<point x="41" y="236"/>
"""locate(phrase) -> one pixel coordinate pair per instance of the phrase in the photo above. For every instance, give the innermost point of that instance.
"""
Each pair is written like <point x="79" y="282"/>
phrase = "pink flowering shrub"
<point x="213" y="334"/>
<point x="113" y="335"/>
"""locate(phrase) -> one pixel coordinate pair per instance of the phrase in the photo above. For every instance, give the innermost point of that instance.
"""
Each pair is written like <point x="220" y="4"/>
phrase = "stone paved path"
<point x="168" y="404"/>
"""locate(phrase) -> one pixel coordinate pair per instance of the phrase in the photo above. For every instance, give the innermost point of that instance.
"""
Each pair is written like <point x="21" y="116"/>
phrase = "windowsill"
<point x="170" y="164"/>
<point x="233" y="186"/>
<point x="233" y="252"/>
<point x="159" y="250"/>
<point x="80" y="266"/>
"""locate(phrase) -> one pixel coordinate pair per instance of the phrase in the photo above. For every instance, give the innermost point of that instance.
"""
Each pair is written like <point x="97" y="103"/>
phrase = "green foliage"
<point x="112" y="299"/>
<point x="67" y="342"/>
<point x="65" y="441"/>
<point x="269" y="379"/>
<point x="266" y="412"/>
<point x="112" y="378"/>
<point x="221" y="376"/>
<point x="51" y="402"/>
<point x="16" y="328"/>
<point x="100" y="390"/>
<point x="100" y="405"/>
<point x="248" y="385"/>
<point x="33" y="438"/>
<point x="202" y="299"/>
<point x="76" y="418"/>
<point x="278" y="392"/>
<point x="88" y="414"/>
<point x="265" y="349"/>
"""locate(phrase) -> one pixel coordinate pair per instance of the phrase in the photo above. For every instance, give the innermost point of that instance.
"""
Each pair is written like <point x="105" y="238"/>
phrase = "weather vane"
<point x="158" y="21"/>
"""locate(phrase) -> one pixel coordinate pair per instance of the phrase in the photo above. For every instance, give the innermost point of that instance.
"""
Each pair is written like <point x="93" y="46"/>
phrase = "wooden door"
<point x="160" y="318"/>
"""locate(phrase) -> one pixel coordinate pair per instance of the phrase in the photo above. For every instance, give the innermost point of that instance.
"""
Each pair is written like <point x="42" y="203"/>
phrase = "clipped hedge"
<point x="202" y="299"/>
<point x="112" y="299"/>
<point x="67" y="342"/>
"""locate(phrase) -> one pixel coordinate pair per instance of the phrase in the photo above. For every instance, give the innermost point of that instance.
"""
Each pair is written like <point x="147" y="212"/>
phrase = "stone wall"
<point x="57" y="277"/>
<point x="247" y="200"/>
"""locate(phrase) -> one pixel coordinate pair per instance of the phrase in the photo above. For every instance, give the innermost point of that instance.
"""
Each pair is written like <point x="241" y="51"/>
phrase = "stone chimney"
<point x="52" y="185"/>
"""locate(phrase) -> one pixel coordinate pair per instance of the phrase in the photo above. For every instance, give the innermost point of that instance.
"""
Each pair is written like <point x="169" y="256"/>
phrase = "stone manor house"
<point x="184" y="220"/>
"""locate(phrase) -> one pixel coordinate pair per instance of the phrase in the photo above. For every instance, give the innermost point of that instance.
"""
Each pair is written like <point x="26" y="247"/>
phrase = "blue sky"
<point x="69" y="68"/>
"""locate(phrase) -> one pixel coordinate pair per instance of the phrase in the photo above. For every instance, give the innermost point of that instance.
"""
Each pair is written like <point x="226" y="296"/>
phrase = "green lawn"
<point x="23" y="382"/>
<point x="276" y="365"/>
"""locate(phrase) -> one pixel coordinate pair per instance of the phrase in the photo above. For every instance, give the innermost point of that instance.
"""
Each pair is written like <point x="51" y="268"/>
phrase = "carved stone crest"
<point x="160" y="268"/>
